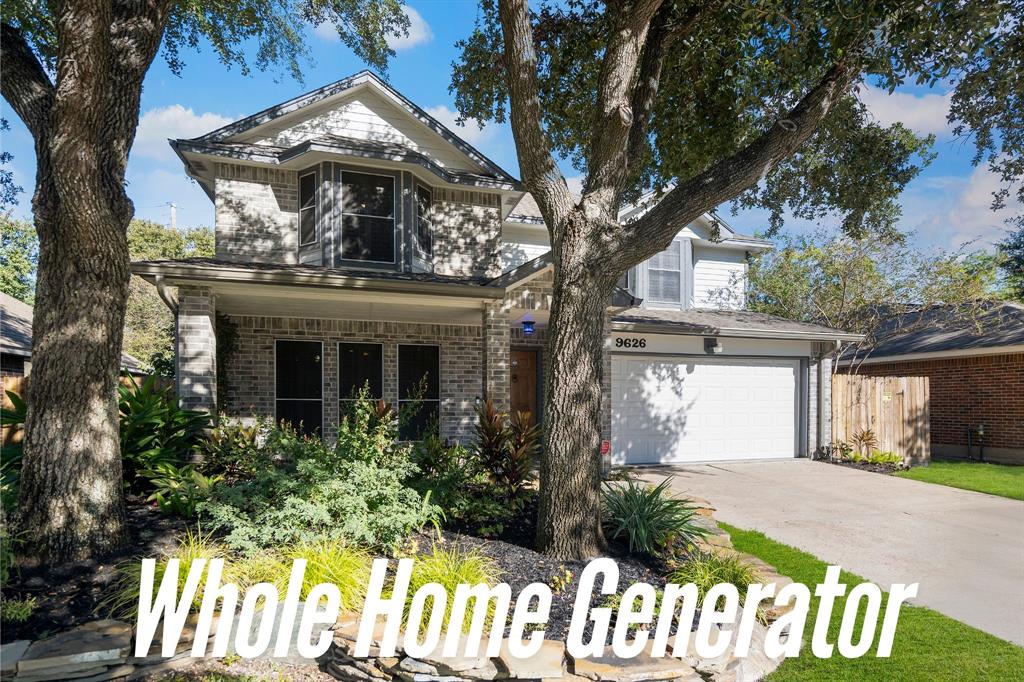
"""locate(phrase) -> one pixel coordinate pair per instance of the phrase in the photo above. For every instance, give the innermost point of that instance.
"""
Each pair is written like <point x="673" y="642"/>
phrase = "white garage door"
<point x="678" y="410"/>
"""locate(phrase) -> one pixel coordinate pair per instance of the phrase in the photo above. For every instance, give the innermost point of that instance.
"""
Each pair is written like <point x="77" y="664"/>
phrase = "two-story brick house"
<point x="361" y="243"/>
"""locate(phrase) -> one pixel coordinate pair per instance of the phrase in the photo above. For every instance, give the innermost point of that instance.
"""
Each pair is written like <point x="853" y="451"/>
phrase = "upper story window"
<point x="367" y="217"/>
<point x="665" y="275"/>
<point x="424" y="225"/>
<point x="307" y="209"/>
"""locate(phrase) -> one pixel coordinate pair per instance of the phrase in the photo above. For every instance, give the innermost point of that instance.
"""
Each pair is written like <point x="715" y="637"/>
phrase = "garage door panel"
<point x="668" y="410"/>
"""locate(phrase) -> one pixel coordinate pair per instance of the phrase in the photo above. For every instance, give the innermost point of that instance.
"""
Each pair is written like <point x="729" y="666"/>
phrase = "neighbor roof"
<point x="951" y="328"/>
<point x="707" y="322"/>
<point x="16" y="332"/>
<point x="223" y="133"/>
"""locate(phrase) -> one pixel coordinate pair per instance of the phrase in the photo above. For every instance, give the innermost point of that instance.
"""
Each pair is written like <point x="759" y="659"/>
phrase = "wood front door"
<point x="524" y="382"/>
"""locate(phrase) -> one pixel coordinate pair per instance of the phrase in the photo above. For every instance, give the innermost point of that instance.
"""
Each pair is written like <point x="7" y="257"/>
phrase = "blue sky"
<point x="947" y="206"/>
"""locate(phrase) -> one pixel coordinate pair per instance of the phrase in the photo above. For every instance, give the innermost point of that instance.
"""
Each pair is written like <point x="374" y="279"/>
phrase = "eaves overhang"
<point x="184" y="273"/>
<point x="680" y="329"/>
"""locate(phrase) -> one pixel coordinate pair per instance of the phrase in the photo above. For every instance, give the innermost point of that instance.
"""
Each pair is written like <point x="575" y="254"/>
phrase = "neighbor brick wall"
<point x="966" y="392"/>
<point x="250" y="390"/>
<point x="197" y="349"/>
<point x="256" y="214"/>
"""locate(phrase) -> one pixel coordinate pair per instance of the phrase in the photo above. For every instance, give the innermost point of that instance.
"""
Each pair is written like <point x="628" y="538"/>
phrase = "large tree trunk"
<point x="569" y="519"/>
<point x="71" y="499"/>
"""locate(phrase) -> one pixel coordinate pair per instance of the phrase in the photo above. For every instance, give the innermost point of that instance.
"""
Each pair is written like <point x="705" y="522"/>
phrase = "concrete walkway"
<point x="966" y="549"/>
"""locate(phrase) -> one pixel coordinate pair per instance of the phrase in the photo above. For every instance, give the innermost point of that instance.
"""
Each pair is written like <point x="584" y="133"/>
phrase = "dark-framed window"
<point x="307" y="209"/>
<point x="360" y="365"/>
<point x="298" y="385"/>
<point x="367" y="217"/>
<point x="419" y="380"/>
<point x="424" y="220"/>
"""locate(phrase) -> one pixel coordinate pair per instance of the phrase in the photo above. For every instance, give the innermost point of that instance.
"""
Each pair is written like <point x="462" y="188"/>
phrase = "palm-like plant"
<point x="648" y="516"/>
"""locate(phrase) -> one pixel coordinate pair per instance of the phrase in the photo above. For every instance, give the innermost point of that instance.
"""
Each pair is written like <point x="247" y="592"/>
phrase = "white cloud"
<point x="471" y="131"/>
<point x="925" y="114"/>
<point x="419" y="32"/>
<point x="971" y="218"/>
<point x="174" y="121"/>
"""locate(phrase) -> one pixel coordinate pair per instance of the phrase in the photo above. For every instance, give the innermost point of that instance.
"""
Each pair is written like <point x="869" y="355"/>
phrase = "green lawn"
<point x="994" y="479"/>
<point x="928" y="645"/>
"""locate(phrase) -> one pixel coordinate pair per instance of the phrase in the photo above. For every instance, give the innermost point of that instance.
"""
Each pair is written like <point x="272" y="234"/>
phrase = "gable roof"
<point x="950" y="329"/>
<point x="707" y="322"/>
<point x="363" y="78"/>
<point x="16" y="332"/>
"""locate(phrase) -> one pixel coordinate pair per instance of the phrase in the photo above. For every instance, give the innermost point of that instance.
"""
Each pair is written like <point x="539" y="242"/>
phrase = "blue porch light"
<point x="527" y="327"/>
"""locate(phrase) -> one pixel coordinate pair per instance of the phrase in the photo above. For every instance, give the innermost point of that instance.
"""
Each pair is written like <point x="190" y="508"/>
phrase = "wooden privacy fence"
<point x="20" y="385"/>
<point x="894" y="408"/>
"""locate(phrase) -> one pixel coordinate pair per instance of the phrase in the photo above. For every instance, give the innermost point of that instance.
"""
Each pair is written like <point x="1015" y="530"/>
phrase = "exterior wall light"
<point x="527" y="327"/>
<point x="712" y="346"/>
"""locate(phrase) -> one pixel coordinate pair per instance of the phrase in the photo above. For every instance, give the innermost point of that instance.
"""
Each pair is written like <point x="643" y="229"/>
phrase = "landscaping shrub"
<point x="10" y="454"/>
<point x="707" y="569"/>
<point x="450" y="567"/>
<point x="863" y="441"/>
<point x="233" y="448"/>
<point x="505" y="448"/>
<point x="353" y="492"/>
<point x="177" y="490"/>
<point x="332" y="562"/>
<point x="885" y="458"/>
<point x="154" y="430"/>
<point x="123" y="599"/>
<point x="16" y="610"/>
<point x="649" y="517"/>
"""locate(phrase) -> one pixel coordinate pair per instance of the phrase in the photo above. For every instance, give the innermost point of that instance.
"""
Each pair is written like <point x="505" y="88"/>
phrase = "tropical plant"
<point x="885" y="458"/>
<point x="177" y="490"/>
<point x="863" y="440"/>
<point x="154" y="429"/>
<point x="233" y="448"/>
<point x="450" y="567"/>
<point x="11" y="419"/>
<point x="505" y="448"/>
<point x="707" y="569"/>
<point x="649" y="517"/>
<point x="523" y="449"/>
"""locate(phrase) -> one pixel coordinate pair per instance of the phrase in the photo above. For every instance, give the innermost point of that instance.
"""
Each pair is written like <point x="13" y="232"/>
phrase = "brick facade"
<point x="256" y="214"/>
<point x="250" y="391"/>
<point x="966" y="392"/>
<point x="467" y="233"/>
<point x="197" y="349"/>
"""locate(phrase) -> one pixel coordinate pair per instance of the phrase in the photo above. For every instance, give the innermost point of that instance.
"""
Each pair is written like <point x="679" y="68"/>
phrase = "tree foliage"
<point x="857" y="285"/>
<point x="1011" y="250"/>
<point x="19" y="254"/>
<point x="731" y="71"/>
<point x="148" y="324"/>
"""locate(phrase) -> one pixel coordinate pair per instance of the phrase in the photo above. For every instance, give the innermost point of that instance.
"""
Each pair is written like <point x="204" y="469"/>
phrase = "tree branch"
<point x="744" y="169"/>
<point x="23" y="82"/>
<point x="664" y="32"/>
<point x="607" y="162"/>
<point x="540" y="173"/>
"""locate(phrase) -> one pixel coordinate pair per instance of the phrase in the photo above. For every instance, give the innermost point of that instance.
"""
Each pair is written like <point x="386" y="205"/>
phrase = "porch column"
<point x="497" y="338"/>
<point x="197" y="349"/>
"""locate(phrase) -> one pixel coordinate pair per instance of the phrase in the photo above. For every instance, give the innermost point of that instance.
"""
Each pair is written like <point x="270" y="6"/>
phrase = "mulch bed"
<point x="865" y="466"/>
<point x="70" y="594"/>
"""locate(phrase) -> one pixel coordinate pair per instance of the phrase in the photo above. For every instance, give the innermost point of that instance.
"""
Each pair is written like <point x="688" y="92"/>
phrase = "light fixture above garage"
<point x="527" y="327"/>
<point x="712" y="346"/>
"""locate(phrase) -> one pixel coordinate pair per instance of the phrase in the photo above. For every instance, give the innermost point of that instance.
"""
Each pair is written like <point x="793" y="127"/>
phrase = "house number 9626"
<point x="630" y="343"/>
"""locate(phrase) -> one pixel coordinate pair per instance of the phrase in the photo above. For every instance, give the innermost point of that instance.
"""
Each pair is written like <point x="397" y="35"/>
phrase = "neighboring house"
<point x="16" y="340"/>
<point x="974" y="361"/>
<point x="359" y="242"/>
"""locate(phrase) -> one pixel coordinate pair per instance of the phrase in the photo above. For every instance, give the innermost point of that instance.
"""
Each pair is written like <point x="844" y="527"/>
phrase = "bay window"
<point x="367" y="217"/>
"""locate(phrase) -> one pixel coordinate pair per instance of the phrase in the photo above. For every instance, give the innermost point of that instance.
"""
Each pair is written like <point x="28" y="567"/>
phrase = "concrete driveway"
<point x="966" y="549"/>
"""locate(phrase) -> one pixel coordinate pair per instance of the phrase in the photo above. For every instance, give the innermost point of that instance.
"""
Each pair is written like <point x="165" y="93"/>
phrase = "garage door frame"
<point x="802" y="424"/>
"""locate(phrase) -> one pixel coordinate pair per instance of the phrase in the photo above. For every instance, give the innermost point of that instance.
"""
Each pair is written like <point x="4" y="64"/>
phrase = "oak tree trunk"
<point x="71" y="500"/>
<point x="569" y="516"/>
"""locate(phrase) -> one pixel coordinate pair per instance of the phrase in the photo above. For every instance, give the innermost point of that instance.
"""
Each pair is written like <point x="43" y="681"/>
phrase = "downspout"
<point x="172" y="304"/>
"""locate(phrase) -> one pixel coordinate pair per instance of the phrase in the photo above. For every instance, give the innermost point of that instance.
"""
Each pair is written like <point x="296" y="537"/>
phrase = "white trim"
<point x="414" y="233"/>
<point x="937" y="355"/>
<point x="323" y="421"/>
<point x="359" y="343"/>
